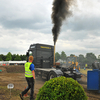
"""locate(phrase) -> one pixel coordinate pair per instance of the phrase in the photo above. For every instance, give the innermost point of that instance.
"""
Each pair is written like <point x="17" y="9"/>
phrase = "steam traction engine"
<point x="43" y="60"/>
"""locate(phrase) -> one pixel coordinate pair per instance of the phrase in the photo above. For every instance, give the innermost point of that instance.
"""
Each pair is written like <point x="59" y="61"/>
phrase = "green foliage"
<point x="8" y="56"/>
<point x="0" y="59"/>
<point x="90" y="57"/>
<point x="61" y="88"/>
<point x="57" y="56"/>
<point x="17" y="58"/>
<point x="99" y="58"/>
<point x="72" y="55"/>
<point x="63" y="55"/>
<point x="12" y="57"/>
<point x="81" y="58"/>
<point x="3" y="57"/>
<point x="23" y="57"/>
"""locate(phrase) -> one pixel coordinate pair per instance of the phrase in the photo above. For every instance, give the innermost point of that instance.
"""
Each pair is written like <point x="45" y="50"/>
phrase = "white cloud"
<point x="20" y="42"/>
<point x="24" y="22"/>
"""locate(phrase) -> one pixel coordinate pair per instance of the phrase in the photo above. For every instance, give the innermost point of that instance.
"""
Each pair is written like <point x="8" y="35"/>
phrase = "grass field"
<point x="5" y="94"/>
<point x="84" y="71"/>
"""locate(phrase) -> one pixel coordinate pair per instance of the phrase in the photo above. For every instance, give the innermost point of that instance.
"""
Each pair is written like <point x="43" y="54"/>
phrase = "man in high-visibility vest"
<point x="30" y="78"/>
<point x="86" y="66"/>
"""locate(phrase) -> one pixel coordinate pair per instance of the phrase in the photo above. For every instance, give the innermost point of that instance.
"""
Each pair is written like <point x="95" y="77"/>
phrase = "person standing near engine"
<point x="86" y="66"/>
<point x="30" y="78"/>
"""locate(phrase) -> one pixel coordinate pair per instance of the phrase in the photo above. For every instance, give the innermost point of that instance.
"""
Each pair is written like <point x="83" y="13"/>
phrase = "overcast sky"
<point x="25" y="22"/>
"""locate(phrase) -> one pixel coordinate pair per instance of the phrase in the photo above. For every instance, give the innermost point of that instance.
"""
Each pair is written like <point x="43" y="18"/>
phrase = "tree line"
<point x="12" y="57"/>
<point x="89" y="58"/>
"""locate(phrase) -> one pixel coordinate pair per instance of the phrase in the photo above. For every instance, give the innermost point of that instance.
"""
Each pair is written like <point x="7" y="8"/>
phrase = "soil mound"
<point x="15" y="69"/>
<point x="12" y="69"/>
<point x="3" y="69"/>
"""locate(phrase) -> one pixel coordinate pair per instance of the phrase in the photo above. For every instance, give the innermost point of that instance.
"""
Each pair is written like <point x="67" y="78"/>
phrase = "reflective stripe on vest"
<point x="28" y="72"/>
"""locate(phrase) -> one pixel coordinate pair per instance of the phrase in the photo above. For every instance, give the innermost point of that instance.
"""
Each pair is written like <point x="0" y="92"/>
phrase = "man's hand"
<point x="34" y="81"/>
<point x="33" y="72"/>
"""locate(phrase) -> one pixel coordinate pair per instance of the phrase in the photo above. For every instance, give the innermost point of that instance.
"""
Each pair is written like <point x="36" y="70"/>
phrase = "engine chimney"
<point x="54" y="57"/>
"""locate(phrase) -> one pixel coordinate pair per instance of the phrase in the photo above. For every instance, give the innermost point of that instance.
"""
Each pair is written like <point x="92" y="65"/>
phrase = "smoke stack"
<point x="60" y="12"/>
<point x="54" y="57"/>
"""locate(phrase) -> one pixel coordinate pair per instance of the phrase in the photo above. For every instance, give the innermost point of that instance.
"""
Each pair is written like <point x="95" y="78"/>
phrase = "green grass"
<point x="5" y="94"/>
<point x="84" y="71"/>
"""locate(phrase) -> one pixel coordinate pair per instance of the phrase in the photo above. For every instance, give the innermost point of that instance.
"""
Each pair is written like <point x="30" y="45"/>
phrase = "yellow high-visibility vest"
<point x="28" y="72"/>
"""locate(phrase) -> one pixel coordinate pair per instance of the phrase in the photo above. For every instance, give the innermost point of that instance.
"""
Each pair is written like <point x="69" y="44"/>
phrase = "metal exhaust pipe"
<point x="54" y="57"/>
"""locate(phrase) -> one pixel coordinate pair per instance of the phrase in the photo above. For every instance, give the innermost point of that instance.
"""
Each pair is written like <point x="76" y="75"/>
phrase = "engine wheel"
<point x="52" y="75"/>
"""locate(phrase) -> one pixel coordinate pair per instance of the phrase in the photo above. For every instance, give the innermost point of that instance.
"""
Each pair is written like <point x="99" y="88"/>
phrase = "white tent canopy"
<point x="12" y="62"/>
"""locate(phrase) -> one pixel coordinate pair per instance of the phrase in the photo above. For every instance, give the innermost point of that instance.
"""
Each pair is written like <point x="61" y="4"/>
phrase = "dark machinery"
<point x="96" y="65"/>
<point x="72" y="60"/>
<point x="43" y="60"/>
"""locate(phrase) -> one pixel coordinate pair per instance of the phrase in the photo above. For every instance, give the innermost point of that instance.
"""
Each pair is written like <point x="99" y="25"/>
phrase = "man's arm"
<point x="32" y="69"/>
<point x="33" y="73"/>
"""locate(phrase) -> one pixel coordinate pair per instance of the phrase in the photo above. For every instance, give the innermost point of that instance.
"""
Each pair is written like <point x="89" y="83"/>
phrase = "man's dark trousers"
<point x="30" y="82"/>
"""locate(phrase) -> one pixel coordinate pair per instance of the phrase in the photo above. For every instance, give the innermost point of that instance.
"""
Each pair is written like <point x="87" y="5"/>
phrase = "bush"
<point x="61" y="88"/>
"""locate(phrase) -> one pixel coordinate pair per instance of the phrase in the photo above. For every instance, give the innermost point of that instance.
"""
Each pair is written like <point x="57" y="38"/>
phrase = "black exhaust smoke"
<point x="60" y="12"/>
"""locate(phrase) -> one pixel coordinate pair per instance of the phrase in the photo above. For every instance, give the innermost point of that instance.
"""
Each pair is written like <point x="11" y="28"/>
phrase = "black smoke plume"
<point x="61" y="10"/>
